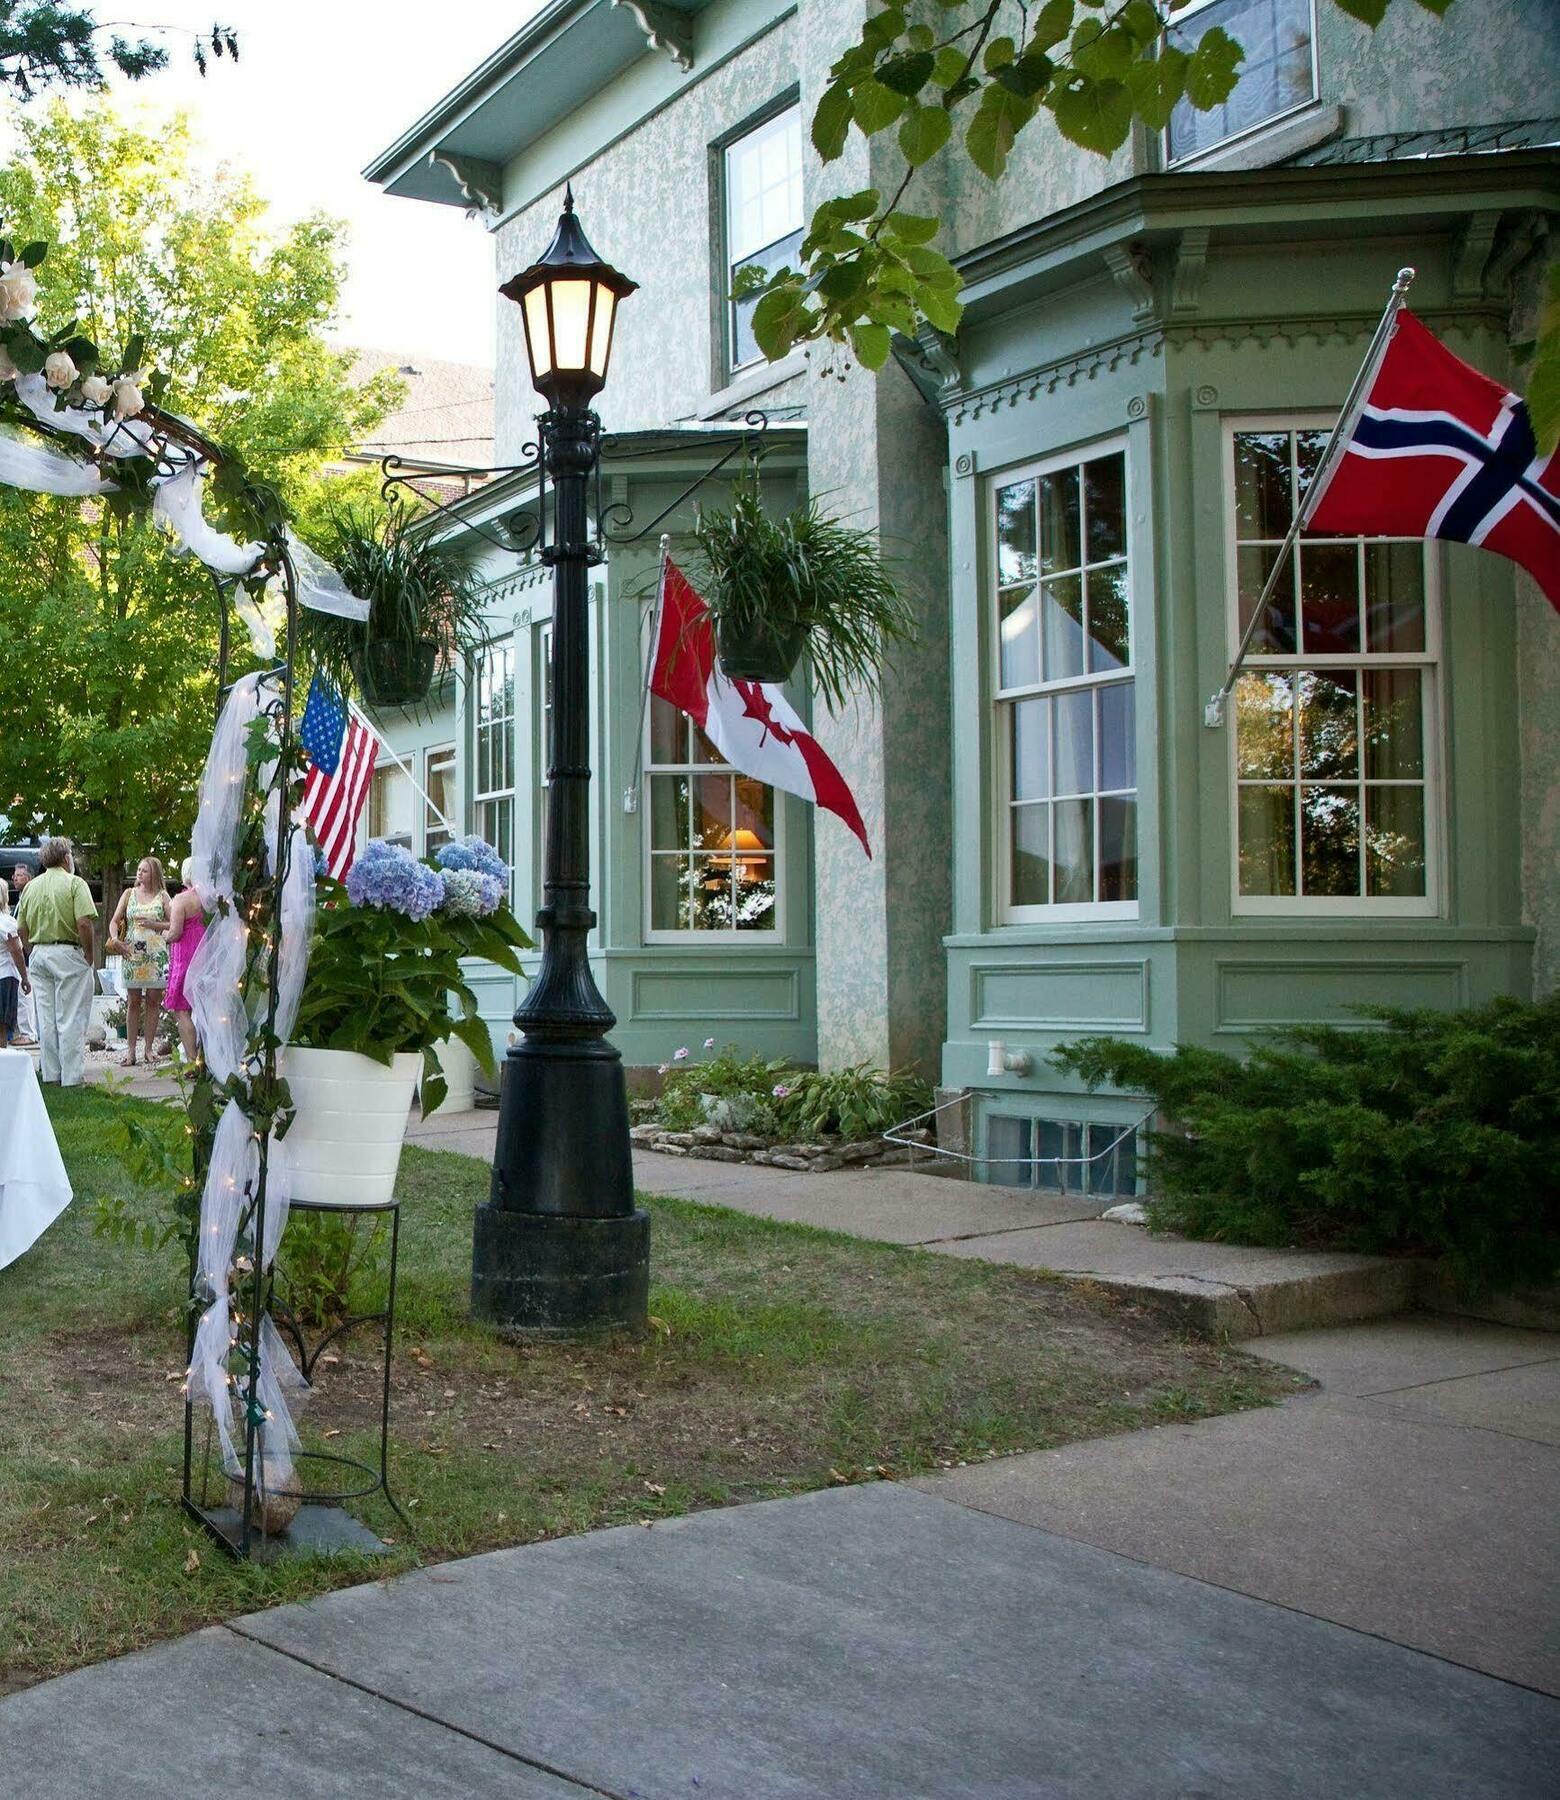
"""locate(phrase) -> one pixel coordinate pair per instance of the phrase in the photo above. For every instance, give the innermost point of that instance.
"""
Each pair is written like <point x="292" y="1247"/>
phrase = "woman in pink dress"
<point x="186" y="927"/>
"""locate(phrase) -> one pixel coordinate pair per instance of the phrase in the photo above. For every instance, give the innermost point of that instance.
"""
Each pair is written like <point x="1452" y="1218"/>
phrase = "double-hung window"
<point x="493" y="789"/>
<point x="714" y="858"/>
<point x="1065" y="695"/>
<point x="1277" y="74"/>
<point x="391" y="806"/>
<point x="1334" y="711"/>
<point x="762" y="190"/>
<point x="439" y="796"/>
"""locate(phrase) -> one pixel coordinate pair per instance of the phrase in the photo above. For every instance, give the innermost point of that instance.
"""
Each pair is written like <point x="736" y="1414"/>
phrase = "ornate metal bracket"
<point x="666" y="28"/>
<point x="481" y="183"/>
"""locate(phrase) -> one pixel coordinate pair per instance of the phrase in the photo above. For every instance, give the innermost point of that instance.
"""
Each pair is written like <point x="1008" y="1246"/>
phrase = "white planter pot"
<point x="460" y="1068"/>
<point x="345" y="1140"/>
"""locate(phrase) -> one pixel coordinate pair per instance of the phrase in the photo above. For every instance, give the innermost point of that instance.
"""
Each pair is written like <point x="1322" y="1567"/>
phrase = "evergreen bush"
<point x="1436" y="1135"/>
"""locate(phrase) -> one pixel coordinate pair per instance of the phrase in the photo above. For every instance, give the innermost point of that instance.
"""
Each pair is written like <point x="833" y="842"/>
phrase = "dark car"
<point x="28" y="854"/>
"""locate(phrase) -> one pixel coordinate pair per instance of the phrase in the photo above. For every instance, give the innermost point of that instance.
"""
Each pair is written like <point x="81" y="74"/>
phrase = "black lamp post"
<point x="559" y="1248"/>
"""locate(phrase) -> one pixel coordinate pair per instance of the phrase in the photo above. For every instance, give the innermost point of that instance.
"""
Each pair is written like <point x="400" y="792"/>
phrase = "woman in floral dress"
<point x="139" y="932"/>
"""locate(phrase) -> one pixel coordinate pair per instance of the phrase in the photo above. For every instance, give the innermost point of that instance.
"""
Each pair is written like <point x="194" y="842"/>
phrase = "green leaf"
<point x="940" y="308"/>
<point x="135" y="351"/>
<point x="842" y="280"/>
<point x="883" y="28"/>
<point x="1213" y="69"/>
<point x="871" y="344"/>
<point x="25" y="350"/>
<point x="1030" y="75"/>
<point x="1095" y="114"/>
<point x="831" y="121"/>
<point x="1053" y="22"/>
<point x="478" y="1040"/>
<point x="923" y="132"/>
<point x="33" y="254"/>
<point x="907" y="74"/>
<point x="997" y="121"/>
<point x="999" y="52"/>
<point x="1439" y="7"/>
<point x="948" y="66"/>
<point x="1371" y="12"/>
<point x="911" y="228"/>
<point x="434" y="1088"/>
<point x="931" y="266"/>
<point x="1543" y="390"/>
<point x="1156" y="85"/>
<point x="875" y="107"/>
<point x="777" y="320"/>
<point x="1104" y="54"/>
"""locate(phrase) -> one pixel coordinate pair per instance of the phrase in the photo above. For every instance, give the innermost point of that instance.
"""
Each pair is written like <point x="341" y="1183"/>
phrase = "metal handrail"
<point x="1023" y="1162"/>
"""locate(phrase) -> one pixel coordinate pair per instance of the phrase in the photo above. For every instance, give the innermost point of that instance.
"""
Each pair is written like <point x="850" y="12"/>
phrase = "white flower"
<point x="59" y="369"/>
<point x="96" y="389"/>
<point x="127" y="398"/>
<point x="709" y="1043"/>
<point x="680" y="1055"/>
<point x="18" y="291"/>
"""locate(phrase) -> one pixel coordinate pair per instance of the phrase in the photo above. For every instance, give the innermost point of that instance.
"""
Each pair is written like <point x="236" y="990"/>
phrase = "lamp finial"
<point x="568" y="196"/>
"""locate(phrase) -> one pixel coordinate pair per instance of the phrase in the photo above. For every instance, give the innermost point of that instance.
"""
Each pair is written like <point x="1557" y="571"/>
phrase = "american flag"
<point x="341" y="765"/>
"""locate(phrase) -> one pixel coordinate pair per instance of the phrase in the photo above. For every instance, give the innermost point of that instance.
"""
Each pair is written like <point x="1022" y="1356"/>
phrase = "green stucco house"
<point x="1085" y="488"/>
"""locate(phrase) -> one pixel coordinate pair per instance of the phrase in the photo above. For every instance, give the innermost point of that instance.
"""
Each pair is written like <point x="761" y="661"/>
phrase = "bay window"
<point x="1333" y="714"/>
<point x="1065" y="694"/>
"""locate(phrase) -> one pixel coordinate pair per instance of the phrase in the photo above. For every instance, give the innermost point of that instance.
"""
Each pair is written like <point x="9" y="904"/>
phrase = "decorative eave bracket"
<point x="931" y="360"/>
<point x="1133" y="270"/>
<point x="481" y="183"/>
<point x="666" y="28"/>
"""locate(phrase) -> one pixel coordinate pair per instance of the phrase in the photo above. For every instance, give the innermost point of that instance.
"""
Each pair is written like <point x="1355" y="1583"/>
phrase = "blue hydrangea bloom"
<point x="388" y="876"/>
<point x="472" y="853"/>
<point x="468" y="894"/>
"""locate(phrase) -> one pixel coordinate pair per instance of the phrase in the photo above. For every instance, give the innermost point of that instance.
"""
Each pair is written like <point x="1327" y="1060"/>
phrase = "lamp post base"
<point x="546" y="1275"/>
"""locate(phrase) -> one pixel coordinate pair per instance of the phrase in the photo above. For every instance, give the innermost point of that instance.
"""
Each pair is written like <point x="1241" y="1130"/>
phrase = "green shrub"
<point x="1438" y="1135"/>
<point x="858" y="1102"/>
<point x="728" y="1075"/>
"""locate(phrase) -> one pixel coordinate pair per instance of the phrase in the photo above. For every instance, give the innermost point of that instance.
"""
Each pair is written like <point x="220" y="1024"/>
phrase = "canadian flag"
<point x="750" y="723"/>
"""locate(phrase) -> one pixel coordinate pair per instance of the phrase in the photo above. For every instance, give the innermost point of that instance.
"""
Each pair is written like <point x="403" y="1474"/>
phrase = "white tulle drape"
<point x="227" y="985"/>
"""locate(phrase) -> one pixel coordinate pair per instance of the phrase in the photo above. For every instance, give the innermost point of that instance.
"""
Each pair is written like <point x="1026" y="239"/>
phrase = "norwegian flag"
<point x="1440" y="451"/>
<point x="341" y="765"/>
<point x="750" y="723"/>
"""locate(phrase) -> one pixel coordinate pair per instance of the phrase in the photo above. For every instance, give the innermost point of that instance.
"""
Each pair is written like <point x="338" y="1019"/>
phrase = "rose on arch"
<point x="59" y="369"/>
<point x="96" y="390"/>
<point x="127" y="398"/>
<point x="18" y="291"/>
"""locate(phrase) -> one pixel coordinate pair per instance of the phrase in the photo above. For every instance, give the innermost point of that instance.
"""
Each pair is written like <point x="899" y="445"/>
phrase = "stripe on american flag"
<point x="332" y="803"/>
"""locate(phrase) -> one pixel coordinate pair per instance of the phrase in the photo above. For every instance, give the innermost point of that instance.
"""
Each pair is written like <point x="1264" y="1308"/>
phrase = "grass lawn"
<point x="781" y="1359"/>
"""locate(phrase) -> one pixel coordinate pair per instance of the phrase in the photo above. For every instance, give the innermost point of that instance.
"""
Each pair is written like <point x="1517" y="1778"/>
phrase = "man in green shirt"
<point x="57" y="918"/>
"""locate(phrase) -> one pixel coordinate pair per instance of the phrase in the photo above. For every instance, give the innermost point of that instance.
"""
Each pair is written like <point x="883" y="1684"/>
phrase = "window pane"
<point x="1016" y="534"/>
<point x="1329" y="731"/>
<point x="1267" y="840"/>
<point x="1074" y="763"/>
<point x="1330" y="599"/>
<point x="669" y="812"/>
<point x="1309" y="447"/>
<point x="1031" y="855"/>
<point x="668" y="893"/>
<point x="703" y="750"/>
<point x="784" y="254"/>
<point x="1394" y="730"/>
<point x="1008" y="1138"/>
<point x="1019" y="630"/>
<point x="1276" y="633"/>
<point x="1060" y="540"/>
<point x="1118" y="848"/>
<point x="1109" y="647"/>
<point x="1074" y="852"/>
<point x="1330" y="840"/>
<point x="1117" y="736"/>
<point x="1394" y="597"/>
<point x="1031" y="749"/>
<point x="1264" y="727"/>
<point x="1105" y="506"/>
<point x="391" y="806"/>
<point x="1062" y="609"/>
<point x="1275" y="73"/>
<point x="753" y="813"/>
<point x="755" y="893"/>
<point x="1395" y="841"/>
<point x="668" y="732"/>
<point x="1262" y="484"/>
<point x="712" y="812"/>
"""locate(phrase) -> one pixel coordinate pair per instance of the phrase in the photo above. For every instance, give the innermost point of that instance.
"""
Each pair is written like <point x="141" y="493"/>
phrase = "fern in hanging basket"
<point x="424" y="599"/>
<point x="777" y="588"/>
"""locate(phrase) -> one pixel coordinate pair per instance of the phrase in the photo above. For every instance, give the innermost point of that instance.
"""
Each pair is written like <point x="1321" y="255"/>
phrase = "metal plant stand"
<point x="321" y="1523"/>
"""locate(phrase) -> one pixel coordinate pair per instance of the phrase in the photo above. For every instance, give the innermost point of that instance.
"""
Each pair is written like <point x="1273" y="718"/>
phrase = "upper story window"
<point x="713" y="852"/>
<point x="493" y="785"/>
<point x="1277" y="74"/>
<point x="392" y="806"/>
<point x="762" y="187"/>
<point x="1065" y="694"/>
<point x="1333" y="740"/>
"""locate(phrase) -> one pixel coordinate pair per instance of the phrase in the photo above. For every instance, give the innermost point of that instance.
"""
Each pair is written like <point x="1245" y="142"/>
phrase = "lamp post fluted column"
<point x="559" y="1249"/>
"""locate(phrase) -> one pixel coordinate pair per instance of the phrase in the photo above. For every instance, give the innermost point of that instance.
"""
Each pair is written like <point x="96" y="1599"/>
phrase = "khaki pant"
<point x="62" y="1000"/>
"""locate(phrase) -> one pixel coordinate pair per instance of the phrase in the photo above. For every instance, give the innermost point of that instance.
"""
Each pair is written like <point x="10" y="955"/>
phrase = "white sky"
<point x="319" y="88"/>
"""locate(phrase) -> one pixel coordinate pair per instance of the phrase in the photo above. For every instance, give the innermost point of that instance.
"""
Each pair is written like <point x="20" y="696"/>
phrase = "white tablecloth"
<point x="34" y="1188"/>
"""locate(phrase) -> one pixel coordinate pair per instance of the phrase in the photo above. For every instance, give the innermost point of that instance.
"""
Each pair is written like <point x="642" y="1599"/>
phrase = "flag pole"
<point x="631" y="792"/>
<point x="1354" y="401"/>
<point x="405" y="767"/>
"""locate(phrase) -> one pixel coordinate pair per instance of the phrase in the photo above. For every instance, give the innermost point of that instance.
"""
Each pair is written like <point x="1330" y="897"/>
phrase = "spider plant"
<point x="776" y="587"/>
<point x="425" y="605"/>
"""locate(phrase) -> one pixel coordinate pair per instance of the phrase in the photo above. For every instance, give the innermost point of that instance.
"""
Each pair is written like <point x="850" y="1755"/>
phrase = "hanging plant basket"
<point x="397" y="671"/>
<point x="752" y="649"/>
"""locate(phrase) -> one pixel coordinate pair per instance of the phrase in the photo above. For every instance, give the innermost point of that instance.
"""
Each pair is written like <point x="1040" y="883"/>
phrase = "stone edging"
<point x="714" y="1145"/>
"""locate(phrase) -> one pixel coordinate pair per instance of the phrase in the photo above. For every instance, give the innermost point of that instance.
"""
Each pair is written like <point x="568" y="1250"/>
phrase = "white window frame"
<point x="1428" y="661"/>
<point x="384" y="773"/>
<point x="764" y="121"/>
<point x="431" y="756"/>
<point x="483" y="797"/>
<point x="1004" y="910"/>
<point x="761" y="938"/>
<point x="1219" y="145"/>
